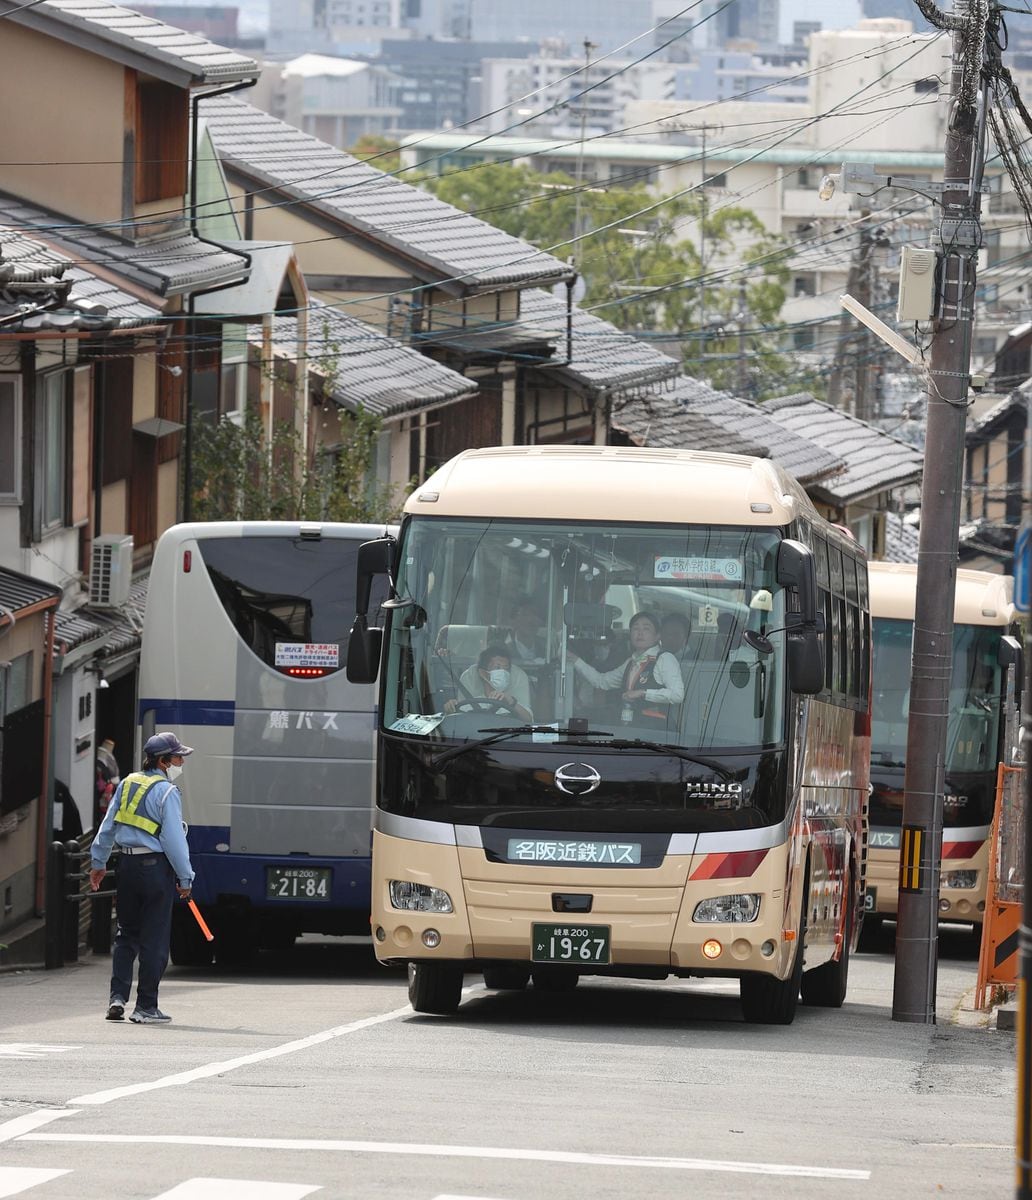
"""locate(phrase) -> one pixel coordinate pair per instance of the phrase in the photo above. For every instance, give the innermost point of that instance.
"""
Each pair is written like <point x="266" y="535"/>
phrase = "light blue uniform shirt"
<point x="162" y="804"/>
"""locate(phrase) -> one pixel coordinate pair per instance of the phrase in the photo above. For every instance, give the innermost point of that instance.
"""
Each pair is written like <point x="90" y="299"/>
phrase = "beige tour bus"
<point x="624" y="727"/>
<point x="983" y="706"/>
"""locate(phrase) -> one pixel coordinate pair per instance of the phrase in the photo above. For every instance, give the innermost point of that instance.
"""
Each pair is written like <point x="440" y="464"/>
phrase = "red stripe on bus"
<point x="734" y="864"/>
<point x="960" y="849"/>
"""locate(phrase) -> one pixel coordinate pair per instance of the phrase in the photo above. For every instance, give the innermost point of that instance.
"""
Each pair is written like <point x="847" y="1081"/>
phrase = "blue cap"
<point x="162" y="744"/>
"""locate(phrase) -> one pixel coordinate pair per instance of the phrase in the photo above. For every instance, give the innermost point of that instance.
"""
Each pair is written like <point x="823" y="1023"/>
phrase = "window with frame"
<point x="10" y="439"/>
<point x="52" y="440"/>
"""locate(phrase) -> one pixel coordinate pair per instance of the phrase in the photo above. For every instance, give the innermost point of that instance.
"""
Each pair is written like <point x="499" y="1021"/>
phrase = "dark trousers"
<point x="146" y="889"/>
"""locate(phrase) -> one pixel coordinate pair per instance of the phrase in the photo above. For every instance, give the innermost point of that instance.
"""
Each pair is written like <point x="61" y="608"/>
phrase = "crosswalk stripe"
<point x="28" y="1121"/>
<point x="19" y="1179"/>
<point x="498" y="1153"/>
<point x="237" y="1189"/>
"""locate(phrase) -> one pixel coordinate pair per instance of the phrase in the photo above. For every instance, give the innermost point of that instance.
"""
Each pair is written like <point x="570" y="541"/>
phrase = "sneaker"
<point x="149" y="1016"/>
<point x="116" y="1011"/>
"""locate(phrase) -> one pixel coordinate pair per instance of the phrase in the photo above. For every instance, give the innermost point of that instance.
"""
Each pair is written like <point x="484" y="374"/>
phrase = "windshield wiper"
<point x="500" y="735"/>
<point x="710" y="764"/>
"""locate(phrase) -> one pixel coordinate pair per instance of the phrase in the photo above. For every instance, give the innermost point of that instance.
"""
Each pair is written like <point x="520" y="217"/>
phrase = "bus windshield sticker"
<point x="307" y="654"/>
<point x="699" y="570"/>
<point x="554" y="850"/>
<point x="542" y="736"/>
<point x="416" y="723"/>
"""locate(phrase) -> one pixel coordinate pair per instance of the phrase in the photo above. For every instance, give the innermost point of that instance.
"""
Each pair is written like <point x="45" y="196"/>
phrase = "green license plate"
<point x="578" y="945"/>
<point x="297" y="883"/>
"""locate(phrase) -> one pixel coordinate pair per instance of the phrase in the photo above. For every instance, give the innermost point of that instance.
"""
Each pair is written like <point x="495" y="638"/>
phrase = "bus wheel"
<point x="506" y="978"/>
<point x="553" y="979"/>
<point x="825" y="986"/>
<point x="434" y="987"/>
<point x="770" y="1001"/>
<point x="187" y="946"/>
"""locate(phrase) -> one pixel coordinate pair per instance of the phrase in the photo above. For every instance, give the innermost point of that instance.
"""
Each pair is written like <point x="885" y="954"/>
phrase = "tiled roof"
<point x="603" y="358"/>
<point x="1015" y="401"/>
<point x="445" y="242"/>
<point x="901" y="539"/>
<point x="663" y="420"/>
<point x="874" y="461"/>
<point x="52" y="295"/>
<point x="165" y="268"/>
<point x="19" y="591"/>
<point x="173" y="52"/>
<point x="800" y="456"/>
<point x="366" y="367"/>
<point x="108" y="633"/>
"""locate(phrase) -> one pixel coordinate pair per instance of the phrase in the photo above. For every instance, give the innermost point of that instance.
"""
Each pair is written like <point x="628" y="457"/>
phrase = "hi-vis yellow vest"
<point x="134" y="788"/>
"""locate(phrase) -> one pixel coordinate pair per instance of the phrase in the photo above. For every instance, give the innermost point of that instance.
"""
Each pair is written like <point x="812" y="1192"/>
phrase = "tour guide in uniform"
<point x="145" y="822"/>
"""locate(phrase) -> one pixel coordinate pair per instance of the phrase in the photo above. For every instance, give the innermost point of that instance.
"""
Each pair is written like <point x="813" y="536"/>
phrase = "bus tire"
<point x="551" y="979"/>
<point x="434" y="987"/>
<point x="506" y="977"/>
<point x="825" y="986"/>
<point x="187" y="945"/>
<point x="770" y="1001"/>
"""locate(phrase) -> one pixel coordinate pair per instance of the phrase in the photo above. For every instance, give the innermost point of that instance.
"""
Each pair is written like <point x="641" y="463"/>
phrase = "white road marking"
<point x="31" y="1049"/>
<point x="19" y="1179"/>
<point x="245" y="1060"/>
<point x="565" y="1157"/>
<point x="18" y="1126"/>
<point x="238" y="1189"/>
<point x="450" y="1197"/>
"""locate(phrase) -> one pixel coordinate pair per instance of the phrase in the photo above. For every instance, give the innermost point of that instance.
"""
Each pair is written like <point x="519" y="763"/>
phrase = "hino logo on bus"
<point x="577" y="779"/>
<point x="720" y="795"/>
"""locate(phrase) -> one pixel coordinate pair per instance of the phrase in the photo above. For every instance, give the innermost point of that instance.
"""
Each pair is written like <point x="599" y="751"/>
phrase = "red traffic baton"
<point x="208" y="935"/>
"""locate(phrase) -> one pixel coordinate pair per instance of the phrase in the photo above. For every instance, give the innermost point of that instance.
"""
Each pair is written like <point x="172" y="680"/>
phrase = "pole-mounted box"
<point x="916" y="284"/>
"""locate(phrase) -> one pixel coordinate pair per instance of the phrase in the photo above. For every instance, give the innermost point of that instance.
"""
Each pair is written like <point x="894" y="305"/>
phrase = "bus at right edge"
<point x="985" y="690"/>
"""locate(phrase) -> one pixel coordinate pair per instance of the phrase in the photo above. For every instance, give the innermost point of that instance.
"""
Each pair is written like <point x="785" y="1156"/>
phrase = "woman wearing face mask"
<point x="145" y="822"/>
<point x="495" y="677"/>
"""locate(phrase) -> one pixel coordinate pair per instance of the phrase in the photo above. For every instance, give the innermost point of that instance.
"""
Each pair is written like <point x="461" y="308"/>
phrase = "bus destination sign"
<point x="308" y="654"/>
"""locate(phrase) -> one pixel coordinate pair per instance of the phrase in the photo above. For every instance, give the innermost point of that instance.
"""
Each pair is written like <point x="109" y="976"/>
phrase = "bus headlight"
<point x="740" y="906"/>
<point x="418" y="897"/>
<point x="959" y="879"/>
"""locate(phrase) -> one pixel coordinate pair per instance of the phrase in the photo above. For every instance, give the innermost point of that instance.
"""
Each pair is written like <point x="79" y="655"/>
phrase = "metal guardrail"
<point x="77" y="918"/>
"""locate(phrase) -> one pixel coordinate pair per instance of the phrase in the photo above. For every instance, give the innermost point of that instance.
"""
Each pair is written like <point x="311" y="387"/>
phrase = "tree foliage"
<point x="241" y="476"/>
<point x="386" y="155"/>
<point x="675" y="269"/>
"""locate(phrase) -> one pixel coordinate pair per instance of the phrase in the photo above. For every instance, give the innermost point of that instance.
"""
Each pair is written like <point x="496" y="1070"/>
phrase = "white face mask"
<point x="500" y="679"/>
<point x="173" y="772"/>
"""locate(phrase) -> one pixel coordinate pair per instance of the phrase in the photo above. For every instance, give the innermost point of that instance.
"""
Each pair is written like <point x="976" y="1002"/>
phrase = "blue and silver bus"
<point x="243" y="656"/>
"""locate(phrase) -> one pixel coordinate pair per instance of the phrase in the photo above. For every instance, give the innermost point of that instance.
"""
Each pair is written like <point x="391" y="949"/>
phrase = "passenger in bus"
<point x="673" y="637"/>
<point x="649" y="681"/>
<point x="495" y="677"/>
<point x="526" y="639"/>
<point x="145" y="822"/>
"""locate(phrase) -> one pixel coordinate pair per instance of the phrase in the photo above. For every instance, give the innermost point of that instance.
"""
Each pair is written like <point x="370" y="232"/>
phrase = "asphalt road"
<point x="308" y="1074"/>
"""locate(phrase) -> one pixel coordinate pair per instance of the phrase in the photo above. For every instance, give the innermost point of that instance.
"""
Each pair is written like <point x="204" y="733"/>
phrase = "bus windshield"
<point x="973" y="731"/>
<point x="530" y="626"/>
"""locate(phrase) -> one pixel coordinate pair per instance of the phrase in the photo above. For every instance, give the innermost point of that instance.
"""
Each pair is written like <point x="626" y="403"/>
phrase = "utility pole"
<point x="959" y="235"/>
<point x="849" y="387"/>
<point x="588" y="47"/>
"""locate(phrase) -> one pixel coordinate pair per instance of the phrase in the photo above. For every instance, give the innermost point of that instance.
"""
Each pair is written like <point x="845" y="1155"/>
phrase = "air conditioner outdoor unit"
<point x="111" y="570"/>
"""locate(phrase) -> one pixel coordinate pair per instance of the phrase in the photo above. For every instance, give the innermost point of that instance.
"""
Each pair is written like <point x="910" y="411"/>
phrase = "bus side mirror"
<point x="1010" y="655"/>
<point x="374" y="558"/>
<point x="796" y="570"/>
<point x="364" y="646"/>
<point x="805" y="655"/>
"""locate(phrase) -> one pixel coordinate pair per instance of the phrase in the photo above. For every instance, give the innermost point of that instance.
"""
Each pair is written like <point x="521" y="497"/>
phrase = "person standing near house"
<point x="108" y="775"/>
<point x="145" y="822"/>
